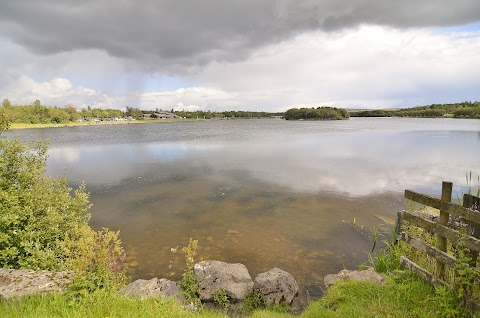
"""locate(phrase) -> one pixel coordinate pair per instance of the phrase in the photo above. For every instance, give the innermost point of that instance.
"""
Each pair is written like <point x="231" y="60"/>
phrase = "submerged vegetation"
<point x="319" y="113"/>
<point x="465" y="109"/>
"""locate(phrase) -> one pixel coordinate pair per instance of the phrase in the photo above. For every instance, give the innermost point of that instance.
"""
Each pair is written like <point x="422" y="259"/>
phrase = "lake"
<point x="266" y="193"/>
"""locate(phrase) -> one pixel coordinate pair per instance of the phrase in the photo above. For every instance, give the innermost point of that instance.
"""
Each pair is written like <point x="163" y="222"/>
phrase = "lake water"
<point x="266" y="193"/>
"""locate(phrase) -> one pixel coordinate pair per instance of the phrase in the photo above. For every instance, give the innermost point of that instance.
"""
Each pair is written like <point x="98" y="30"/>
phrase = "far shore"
<point x="97" y="123"/>
<point x="15" y="126"/>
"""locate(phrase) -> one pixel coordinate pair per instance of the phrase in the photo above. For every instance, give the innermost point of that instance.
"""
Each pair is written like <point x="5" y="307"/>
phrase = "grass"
<point x="402" y="296"/>
<point x="98" y="304"/>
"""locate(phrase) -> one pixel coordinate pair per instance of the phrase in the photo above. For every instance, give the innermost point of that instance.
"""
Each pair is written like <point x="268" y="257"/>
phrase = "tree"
<point x="136" y="113"/>
<point x="72" y="112"/>
<point x="4" y="118"/>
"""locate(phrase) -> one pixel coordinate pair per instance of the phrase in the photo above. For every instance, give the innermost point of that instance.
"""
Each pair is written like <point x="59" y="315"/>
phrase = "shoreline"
<point x="18" y="126"/>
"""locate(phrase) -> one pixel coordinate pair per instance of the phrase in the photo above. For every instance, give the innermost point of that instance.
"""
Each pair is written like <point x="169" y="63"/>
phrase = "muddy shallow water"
<point x="266" y="193"/>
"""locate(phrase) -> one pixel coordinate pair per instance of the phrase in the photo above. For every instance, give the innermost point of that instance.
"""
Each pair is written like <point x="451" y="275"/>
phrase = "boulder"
<point x="18" y="283"/>
<point x="276" y="286"/>
<point x="364" y="275"/>
<point x="154" y="287"/>
<point x="215" y="275"/>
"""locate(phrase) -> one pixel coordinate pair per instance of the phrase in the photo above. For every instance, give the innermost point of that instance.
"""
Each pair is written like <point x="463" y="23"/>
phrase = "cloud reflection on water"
<point x="356" y="164"/>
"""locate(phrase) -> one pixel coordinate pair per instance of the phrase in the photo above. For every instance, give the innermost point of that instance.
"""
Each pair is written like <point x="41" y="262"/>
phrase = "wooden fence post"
<point x="398" y="224"/>
<point x="471" y="202"/>
<point x="443" y="220"/>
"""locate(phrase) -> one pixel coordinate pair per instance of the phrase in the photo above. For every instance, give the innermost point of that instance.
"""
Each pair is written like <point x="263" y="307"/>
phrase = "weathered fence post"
<point x="471" y="202"/>
<point x="398" y="224"/>
<point x="443" y="220"/>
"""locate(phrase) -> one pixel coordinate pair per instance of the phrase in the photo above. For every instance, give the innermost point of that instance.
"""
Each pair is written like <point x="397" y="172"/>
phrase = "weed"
<point x="189" y="283"/>
<point x="254" y="300"/>
<point x="221" y="299"/>
<point x="446" y="302"/>
<point x="470" y="187"/>
<point x="387" y="260"/>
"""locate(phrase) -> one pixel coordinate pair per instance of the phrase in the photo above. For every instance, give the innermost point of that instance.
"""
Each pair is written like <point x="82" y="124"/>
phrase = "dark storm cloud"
<point x="186" y="33"/>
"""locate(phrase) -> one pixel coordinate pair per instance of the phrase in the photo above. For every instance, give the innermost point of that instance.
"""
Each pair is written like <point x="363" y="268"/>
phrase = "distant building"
<point x="161" y="115"/>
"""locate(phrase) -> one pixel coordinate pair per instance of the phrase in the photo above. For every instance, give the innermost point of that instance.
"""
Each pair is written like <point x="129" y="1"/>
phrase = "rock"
<point x="276" y="286"/>
<point x="365" y="275"/>
<point x="215" y="275"/>
<point x="233" y="232"/>
<point x="18" y="283"/>
<point x="154" y="287"/>
<point x="190" y="306"/>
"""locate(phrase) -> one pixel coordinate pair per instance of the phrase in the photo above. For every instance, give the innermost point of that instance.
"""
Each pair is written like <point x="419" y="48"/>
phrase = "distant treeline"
<point x="225" y="114"/>
<point x="37" y="113"/>
<point x="458" y="110"/>
<point x="320" y="113"/>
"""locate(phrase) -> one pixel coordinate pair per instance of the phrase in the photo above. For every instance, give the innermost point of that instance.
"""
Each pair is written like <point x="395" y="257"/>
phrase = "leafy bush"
<point x="44" y="223"/>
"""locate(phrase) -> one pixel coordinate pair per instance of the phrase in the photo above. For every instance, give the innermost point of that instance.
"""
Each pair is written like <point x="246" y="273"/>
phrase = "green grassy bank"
<point x="402" y="296"/>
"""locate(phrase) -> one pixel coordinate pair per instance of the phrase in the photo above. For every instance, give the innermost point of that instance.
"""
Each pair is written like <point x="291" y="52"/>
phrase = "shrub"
<point x="44" y="223"/>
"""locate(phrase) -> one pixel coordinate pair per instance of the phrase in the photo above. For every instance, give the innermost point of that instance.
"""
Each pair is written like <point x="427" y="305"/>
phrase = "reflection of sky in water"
<point x="352" y="157"/>
<point x="360" y="156"/>
<point x="100" y="164"/>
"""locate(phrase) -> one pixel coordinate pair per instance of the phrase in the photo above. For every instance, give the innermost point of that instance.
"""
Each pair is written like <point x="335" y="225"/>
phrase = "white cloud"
<point x="188" y="108"/>
<point x="57" y="91"/>
<point x="371" y="66"/>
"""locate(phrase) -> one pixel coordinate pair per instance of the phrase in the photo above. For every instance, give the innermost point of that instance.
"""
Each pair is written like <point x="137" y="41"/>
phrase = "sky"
<point x="263" y="55"/>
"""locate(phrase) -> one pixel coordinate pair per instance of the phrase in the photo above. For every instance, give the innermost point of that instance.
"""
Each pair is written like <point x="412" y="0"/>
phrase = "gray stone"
<point x="154" y="287"/>
<point x="276" y="286"/>
<point x="364" y="275"/>
<point x="18" y="283"/>
<point x="215" y="275"/>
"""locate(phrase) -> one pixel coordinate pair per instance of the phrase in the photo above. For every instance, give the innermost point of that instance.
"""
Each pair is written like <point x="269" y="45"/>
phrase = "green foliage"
<point x="226" y="114"/>
<point x="387" y="259"/>
<point x="320" y="113"/>
<point x="221" y="299"/>
<point x="5" y="119"/>
<point x="254" y="300"/>
<point x="98" y="262"/>
<point x="188" y="283"/>
<point x="44" y="223"/>
<point x="458" y="110"/>
<point x="447" y="303"/>
<point x="38" y="214"/>
<point x="464" y="286"/>
<point x="36" y="113"/>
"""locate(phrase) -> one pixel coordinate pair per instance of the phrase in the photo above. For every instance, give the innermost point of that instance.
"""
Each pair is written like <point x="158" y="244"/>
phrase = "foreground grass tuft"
<point x="403" y="296"/>
<point x="98" y="304"/>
